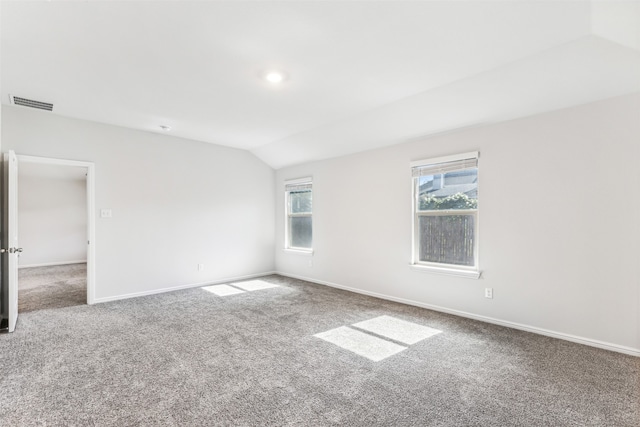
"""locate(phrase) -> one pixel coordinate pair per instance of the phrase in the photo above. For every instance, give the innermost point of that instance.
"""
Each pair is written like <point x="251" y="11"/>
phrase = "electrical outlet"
<point x="310" y="263"/>
<point x="488" y="292"/>
<point x="200" y="267"/>
<point x="105" y="213"/>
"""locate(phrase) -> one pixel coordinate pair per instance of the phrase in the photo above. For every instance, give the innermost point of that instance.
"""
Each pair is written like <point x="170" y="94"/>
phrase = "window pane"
<point x="447" y="239"/>
<point x="300" y="231"/>
<point x="452" y="190"/>
<point x="300" y="201"/>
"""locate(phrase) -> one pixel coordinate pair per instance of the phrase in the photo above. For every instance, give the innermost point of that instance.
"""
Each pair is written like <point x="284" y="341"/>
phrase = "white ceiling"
<point x="361" y="74"/>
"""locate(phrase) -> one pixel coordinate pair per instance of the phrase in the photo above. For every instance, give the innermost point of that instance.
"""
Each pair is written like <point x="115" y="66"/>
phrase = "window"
<point x="445" y="224"/>
<point x="299" y="208"/>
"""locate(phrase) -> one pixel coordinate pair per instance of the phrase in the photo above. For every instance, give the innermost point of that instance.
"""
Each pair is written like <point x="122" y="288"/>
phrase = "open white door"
<point x="11" y="249"/>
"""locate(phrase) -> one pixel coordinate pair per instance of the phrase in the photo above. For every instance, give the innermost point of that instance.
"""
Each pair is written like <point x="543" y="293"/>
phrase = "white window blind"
<point x="298" y="186"/>
<point x="444" y="164"/>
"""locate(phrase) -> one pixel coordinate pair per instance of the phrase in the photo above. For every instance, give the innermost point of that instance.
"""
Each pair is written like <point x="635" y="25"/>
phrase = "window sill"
<point x="470" y="274"/>
<point x="299" y="252"/>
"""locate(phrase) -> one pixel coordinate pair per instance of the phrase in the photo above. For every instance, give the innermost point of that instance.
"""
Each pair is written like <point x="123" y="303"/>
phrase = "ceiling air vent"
<point x="16" y="100"/>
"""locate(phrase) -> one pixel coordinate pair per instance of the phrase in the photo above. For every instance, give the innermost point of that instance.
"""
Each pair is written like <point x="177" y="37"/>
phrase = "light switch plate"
<point x="105" y="213"/>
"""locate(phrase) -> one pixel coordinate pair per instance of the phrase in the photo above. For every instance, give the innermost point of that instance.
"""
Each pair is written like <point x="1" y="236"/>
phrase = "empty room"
<point x="320" y="213"/>
<point x="52" y="223"/>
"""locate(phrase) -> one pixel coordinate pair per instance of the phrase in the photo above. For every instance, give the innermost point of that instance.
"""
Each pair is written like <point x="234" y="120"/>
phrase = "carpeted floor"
<point x="51" y="287"/>
<point x="250" y="358"/>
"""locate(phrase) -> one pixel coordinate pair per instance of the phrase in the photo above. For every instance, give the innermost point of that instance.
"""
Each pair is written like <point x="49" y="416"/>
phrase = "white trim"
<point x="52" y="161"/>
<point x="304" y="180"/>
<point x="91" y="226"/>
<point x="91" y="209"/>
<point x="445" y="159"/>
<point x="540" y="331"/>
<point x="180" y="287"/>
<point x="471" y="274"/>
<point x="51" y="264"/>
<point x="298" y="251"/>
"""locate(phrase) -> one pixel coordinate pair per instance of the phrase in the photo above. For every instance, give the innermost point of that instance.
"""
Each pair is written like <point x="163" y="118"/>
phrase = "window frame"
<point x="436" y="267"/>
<point x="288" y="215"/>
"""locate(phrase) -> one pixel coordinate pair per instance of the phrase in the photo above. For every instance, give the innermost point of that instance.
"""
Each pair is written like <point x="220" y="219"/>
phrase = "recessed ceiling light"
<point x="165" y="128"/>
<point x="274" y="77"/>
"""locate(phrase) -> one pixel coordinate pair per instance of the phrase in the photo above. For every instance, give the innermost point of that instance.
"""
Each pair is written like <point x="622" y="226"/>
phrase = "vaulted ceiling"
<point x="359" y="74"/>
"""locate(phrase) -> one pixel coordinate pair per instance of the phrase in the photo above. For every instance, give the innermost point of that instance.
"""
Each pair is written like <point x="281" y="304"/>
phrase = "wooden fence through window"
<point x="447" y="239"/>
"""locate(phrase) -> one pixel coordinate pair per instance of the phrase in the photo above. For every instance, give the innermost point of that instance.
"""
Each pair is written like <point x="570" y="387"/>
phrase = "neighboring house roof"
<point x="470" y="190"/>
<point x="465" y="182"/>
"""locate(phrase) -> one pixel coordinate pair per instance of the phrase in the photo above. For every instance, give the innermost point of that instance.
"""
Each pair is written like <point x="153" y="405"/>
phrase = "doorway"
<point x="52" y="227"/>
<point x="55" y="259"/>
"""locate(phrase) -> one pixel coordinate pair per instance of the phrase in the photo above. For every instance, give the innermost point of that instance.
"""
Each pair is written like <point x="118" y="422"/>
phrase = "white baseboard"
<point x="560" y="335"/>
<point x="50" y="264"/>
<point x="180" y="287"/>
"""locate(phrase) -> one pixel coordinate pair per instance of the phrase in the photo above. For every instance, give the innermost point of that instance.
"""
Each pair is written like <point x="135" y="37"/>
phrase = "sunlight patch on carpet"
<point x="254" y="285"/>
<point x="362" y="344"/>
<point x="397" y="330"/>
<point x="222" y="290"/>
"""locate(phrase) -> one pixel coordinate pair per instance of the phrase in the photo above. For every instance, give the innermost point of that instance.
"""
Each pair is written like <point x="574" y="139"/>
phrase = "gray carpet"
<point x="251" y="359"/>
<point x="51" y="287"/>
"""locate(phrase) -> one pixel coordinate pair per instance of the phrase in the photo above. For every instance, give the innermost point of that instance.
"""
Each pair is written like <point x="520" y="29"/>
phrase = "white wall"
<point x="559" y="213"/>
<point x="176" y="203"/>
<point x="52" y="213"/>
